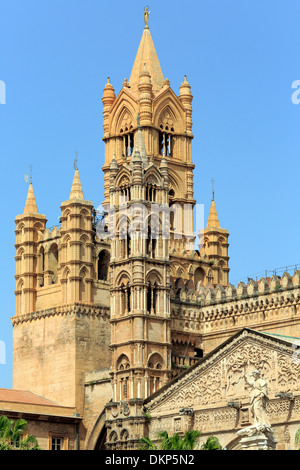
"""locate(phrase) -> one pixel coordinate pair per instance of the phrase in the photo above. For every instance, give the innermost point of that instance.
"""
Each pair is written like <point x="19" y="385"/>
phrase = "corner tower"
<point x="214" y="240"/>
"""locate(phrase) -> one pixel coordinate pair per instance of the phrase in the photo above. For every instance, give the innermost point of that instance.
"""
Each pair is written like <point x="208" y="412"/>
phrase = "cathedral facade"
<point x="123" y="327"/>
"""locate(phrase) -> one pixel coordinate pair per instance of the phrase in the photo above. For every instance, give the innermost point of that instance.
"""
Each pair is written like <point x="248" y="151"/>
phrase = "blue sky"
<point x="241" y="58"/>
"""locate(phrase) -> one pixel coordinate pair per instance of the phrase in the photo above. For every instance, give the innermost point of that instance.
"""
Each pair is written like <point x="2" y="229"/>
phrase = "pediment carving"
<point x="219" y="378"/>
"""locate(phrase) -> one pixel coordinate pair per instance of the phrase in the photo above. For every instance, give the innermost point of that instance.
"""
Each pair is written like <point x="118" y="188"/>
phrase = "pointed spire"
<point x="146" y="55"/>
<point x="114" y="164"/>
<point x="76" y="191"/>
<point x="139" y="146"/>
<point x="213" y="220"/>
<point x="30" y="206"/>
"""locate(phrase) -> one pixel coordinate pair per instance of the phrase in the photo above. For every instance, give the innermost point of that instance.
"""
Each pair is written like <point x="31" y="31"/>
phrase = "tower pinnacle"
<point x="30" y="206"/>
<point x="213" y="220"/>
<point x="146" y="56"/>
<point x="76" y="190"/>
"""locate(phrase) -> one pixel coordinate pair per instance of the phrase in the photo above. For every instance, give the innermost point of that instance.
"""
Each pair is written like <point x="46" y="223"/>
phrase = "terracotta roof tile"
<point x="22" y="396"/>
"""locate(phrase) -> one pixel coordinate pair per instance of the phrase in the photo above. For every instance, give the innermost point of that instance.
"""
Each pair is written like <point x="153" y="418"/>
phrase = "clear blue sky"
<point x="240" y="58"/>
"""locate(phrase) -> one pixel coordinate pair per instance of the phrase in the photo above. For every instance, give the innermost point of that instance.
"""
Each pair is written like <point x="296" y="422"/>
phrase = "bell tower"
<point x="140" y="286"/>
<point x="140" y="276"/>
<point x="166" y="121"/>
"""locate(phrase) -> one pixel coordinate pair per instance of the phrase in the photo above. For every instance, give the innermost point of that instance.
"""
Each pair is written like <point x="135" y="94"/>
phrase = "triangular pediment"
<point x="218" y="379"/>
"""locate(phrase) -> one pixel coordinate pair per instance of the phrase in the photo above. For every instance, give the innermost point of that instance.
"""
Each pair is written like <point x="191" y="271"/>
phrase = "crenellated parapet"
<point x="213" y="314"/>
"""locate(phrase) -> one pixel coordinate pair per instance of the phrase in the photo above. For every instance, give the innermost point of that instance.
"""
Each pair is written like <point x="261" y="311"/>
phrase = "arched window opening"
<point x="199" y="277"/>
<point x="152" y="298"/>
<point x="171" y="193"/>
<point x="151" y="192"/>
<point x="103" y="265"/>
<point x="83" y="287"/>
<point x="125" y="295"/>
<point x="125" y="193"/>
<point x="165" y="143"/>
<point x="53" y="263"/>
<point x="123" y="363"/>
<point x="41" y="267"/>
<point x="155" y="362"/>
<point x="128" y="245"/>
<point x="151" y="242"/>
<point x="128" y="144"/>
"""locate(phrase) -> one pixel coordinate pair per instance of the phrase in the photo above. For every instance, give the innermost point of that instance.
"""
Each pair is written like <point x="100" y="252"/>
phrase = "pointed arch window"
<point x="151" y="243"/>
<point x="166" y="141"/>
<point x="128" y="141"/>
<point x="53" y="263"/>
<point x="103" y="265"/>
<point x="151" y="191"/>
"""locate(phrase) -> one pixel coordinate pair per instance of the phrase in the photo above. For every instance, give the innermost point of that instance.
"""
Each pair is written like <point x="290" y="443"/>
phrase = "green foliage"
<point x="212" y="443"/>
<point x="11" y="435"/>
<point x="297" y="438"/>
<point x="146" y="444"/>
<point x="175" y="442"/>
<point x="147" y="416"/>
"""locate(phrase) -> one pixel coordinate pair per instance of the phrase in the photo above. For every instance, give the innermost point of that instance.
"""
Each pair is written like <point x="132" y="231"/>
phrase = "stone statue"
<point x="146" y="16"/>
<point x="259" y="397"/>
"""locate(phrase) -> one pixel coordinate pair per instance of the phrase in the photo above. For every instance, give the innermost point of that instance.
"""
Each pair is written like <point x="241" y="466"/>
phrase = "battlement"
<point x="212" y="315"/>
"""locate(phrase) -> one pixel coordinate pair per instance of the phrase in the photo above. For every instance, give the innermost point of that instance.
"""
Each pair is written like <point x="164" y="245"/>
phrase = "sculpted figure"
<point x="259" y="397"/>
<point x="146" y="16"/>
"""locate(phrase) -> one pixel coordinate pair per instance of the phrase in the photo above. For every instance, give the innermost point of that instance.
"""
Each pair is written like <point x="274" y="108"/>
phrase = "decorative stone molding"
<point x="69" y="310"/>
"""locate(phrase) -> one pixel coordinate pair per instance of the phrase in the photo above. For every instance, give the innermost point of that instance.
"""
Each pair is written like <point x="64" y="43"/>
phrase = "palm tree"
<point x="175" y="442"/>
<point x="190" y="439"/>
<point x="146" y="444"/>
<point x="5" y="426"/>
<point x="297" y="438"/>
<point x="212" y="443"/>
<point x="11" y="435"/>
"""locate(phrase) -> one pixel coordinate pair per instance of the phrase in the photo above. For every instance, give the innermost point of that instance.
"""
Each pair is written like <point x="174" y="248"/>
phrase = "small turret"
<point x="76" y="245"/>
<point x="28" y="226"/>
<point x="214" y="242"/>
<point x="186" y="99"/>
<point x="107" y="99"/>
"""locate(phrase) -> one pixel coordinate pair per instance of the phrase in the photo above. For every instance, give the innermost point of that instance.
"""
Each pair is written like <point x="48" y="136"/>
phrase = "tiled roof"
<point x="21" y="396"/>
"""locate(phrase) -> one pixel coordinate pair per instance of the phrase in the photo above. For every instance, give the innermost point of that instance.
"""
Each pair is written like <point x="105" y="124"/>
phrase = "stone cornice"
<point x="76" y="309"/>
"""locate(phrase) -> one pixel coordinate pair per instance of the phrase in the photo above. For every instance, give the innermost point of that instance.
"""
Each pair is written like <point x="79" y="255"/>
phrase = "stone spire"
<point x="76" y="191"/>
<point x="146" y="55"/>
<point x="30" y="206"/>
<point x="139" y="146"/>
<point x="213" y="220"/>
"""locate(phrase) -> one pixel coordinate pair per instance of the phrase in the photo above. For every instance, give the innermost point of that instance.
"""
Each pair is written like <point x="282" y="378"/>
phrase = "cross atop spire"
<point x="213" y="191"/>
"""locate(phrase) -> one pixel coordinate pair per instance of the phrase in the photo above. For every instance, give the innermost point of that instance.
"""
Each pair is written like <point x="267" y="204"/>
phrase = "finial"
<point x="75" y="161"/>
<point x="213" y="191"/>
<point x="146" y="17"/>
<point x="28" y="178"/>
<point x="108" y="79"/>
